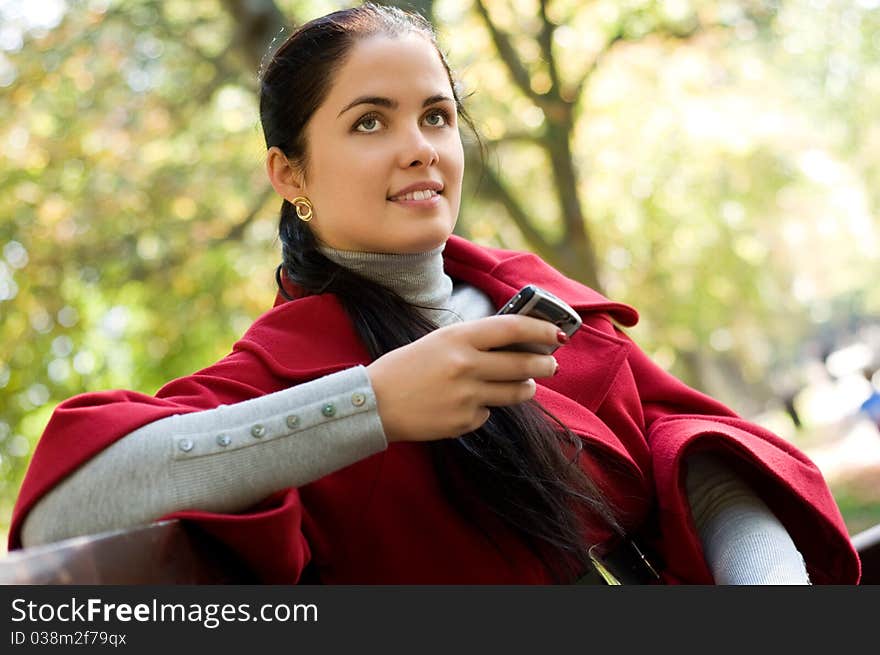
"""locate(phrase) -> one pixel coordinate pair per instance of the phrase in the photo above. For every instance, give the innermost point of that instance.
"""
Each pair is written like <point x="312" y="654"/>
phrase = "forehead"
<point x="400" y="68"/>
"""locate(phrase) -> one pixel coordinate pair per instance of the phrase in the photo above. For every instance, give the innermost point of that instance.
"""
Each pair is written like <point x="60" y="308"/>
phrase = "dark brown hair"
<point x="515" y="463"/>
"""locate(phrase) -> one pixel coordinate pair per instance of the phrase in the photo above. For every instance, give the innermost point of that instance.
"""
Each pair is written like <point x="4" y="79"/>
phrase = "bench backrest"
<point x="171" y="552"/>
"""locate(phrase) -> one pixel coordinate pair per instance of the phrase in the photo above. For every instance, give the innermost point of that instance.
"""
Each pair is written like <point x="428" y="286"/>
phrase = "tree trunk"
<point x="258" y="23"/>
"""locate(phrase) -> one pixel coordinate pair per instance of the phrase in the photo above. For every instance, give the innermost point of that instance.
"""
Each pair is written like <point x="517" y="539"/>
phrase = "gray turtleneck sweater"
<point x="228" y="458"/>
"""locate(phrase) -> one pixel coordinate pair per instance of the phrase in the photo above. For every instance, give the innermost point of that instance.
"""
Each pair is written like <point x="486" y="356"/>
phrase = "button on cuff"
<point x="244" y="434"/>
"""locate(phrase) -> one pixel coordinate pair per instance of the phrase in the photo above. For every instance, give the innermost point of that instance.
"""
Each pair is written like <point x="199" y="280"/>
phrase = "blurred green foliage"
<point x="727" y="157"/>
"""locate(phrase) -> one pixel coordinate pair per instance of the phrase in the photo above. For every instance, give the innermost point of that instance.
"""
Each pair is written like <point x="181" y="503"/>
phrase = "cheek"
<point x="454" y="155"/>
<point x="453" y="170"/>
<point x="349" y="170"/>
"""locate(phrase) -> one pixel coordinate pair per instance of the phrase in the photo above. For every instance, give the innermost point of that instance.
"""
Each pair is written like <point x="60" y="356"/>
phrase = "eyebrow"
<point x="389" y="103"/>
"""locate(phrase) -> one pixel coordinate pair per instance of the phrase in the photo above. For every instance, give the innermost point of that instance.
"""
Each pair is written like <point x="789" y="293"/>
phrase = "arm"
<point x="743" y="541"/>
<point x="432" y="388"/>
<point x="665" y="422"/>
<point x="213" y="461"/>
<point x="275" y="441"/>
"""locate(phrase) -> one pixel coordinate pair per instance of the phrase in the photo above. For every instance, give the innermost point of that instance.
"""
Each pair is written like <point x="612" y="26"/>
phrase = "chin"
<point x="426" y="240"/>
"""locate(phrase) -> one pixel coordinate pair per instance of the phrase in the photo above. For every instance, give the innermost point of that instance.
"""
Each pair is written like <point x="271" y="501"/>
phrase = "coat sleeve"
<point x="268" y="538"/>
<point x="678" y="421"/>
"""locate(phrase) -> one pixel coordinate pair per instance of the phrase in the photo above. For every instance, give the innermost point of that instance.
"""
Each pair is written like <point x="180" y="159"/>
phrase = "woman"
<point x="372" y="427"/>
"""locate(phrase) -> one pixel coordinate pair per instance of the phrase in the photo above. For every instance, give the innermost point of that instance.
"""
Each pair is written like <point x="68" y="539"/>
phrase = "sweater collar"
<point x="500" y="273"/>
<point x="418" y="278"/>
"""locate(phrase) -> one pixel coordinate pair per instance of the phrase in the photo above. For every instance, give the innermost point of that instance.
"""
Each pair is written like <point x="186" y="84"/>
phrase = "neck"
<point x="417" y="278"/>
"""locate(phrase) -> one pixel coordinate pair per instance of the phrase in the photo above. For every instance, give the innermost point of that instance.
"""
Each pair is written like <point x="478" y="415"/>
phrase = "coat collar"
<point x="501" y="273"/>
<point x="284" y="337"/>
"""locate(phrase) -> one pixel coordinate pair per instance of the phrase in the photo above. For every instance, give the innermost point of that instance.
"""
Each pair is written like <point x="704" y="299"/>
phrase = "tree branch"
<point x="236" y="232"/>
<point x="513" y="137"/>
<point x="545" y="40"/>
<point x="176" y="258"/>
<point x="496" y="190"/>
<point x="508" y="55"/>
<point x="668" y="31"/>
<point x="578" y="89"/>
<point x="257" y="23"/>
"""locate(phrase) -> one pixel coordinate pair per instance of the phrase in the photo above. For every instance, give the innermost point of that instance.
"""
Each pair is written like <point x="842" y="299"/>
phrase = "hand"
<point x="443" y="384"/>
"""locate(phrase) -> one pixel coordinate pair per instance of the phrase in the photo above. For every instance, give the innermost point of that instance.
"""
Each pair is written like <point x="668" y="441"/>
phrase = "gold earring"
<point x="303" y="208"/>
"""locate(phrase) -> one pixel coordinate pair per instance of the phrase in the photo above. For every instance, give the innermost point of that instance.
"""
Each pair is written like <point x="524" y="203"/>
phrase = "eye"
<point x="368" y="123"/>
<point x="437" y="118"/>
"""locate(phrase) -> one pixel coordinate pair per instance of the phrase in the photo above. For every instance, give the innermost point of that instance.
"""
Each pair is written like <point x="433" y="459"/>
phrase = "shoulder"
<point x="500" y="273"/>
<point x="304" y="338"/>
<point x="485" y="257"/>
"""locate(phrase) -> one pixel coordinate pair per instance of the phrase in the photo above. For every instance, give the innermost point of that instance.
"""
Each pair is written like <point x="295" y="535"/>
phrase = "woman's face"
<point x="384" y="156"/>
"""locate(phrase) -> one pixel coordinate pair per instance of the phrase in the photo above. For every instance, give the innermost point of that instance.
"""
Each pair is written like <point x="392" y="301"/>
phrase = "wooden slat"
<point x="168" y="552"/>
<point x="171" y="552"/>
<point x="867" y="543"/>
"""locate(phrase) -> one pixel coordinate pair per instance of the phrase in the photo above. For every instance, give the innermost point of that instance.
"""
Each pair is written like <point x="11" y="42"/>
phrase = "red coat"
<point x="384" y="520"/>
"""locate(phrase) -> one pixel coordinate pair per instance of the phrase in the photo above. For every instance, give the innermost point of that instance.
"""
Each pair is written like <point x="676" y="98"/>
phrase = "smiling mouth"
<point x="425" y="194"/>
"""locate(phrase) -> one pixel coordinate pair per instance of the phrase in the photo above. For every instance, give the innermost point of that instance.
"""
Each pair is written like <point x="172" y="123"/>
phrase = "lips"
<point x="417" y="195"/>
<point x="418" y="191"/>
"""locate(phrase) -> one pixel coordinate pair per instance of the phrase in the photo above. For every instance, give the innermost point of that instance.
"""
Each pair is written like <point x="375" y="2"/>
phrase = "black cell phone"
<point x="534" y="301"/>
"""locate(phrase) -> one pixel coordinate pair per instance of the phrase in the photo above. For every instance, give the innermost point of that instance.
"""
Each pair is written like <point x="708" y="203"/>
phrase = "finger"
<point x="510" y="366"/>
<point x="481" y="415"/>
<point x="500" y="331"/>
<point x="500" y="394"/>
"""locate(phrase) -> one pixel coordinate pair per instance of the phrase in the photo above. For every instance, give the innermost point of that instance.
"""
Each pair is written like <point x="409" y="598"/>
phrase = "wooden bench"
<point x="867" y="543"/>
<point x="168" y="552"/>
<point x="171" y="552"/>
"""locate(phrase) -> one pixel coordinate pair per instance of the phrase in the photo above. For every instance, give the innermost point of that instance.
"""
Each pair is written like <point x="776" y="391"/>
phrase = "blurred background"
<point x="716" y="164"/>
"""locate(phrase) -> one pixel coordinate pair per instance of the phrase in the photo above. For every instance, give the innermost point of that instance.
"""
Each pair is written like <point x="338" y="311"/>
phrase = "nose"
<point x="417" y="150"/>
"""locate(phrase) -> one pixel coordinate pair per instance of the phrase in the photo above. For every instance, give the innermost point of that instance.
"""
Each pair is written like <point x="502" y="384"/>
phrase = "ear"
<point x="285" y="178"/>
